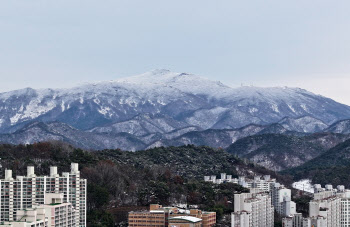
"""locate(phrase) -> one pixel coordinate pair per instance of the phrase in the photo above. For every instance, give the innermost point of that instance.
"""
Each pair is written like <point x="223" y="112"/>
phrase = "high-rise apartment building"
<point x="252" y="209"/>
<point x="329" y="208"/>
<point x="54" y="213"/>
<point x="262" y="183"/>
<point x="24" y="192"/>
<point x="282" y="200"/>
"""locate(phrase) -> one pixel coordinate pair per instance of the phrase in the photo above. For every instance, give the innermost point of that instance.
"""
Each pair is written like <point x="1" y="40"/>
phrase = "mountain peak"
<point x="160" y="71"/>
<point x="193" y="99"/>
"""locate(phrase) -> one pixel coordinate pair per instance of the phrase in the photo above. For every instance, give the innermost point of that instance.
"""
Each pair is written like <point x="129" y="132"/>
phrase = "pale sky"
<point x="62" y="43"/>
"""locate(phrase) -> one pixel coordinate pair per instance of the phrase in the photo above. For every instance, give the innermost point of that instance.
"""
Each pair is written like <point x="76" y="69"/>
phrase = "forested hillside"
<point x="279" y="152"/>
<point x="120" y="181"/>
<point x="332" y="167"/>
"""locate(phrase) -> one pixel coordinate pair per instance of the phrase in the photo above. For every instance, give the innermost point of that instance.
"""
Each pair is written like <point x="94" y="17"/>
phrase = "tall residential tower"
<point x="25" y="192"/>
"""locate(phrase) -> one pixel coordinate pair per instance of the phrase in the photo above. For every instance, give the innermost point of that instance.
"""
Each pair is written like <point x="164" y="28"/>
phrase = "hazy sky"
<point x="63" y="43"/>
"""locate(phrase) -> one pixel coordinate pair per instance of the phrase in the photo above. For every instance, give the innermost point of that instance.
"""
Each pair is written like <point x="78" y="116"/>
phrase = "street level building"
<point x="185" y="221"/>
<point x="158" y="216"/>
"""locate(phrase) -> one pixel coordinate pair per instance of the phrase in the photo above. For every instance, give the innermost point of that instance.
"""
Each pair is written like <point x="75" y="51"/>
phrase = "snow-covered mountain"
<point x="305" y="124"/>
<point x="144" y="124"/>
<point x="342" y="127"/>
<point x="160" y="102"/>
<point x="278" y="151"/>
<point x="56" y="131"/>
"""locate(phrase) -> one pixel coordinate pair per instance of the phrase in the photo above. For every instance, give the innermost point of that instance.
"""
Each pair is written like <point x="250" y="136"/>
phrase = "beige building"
<point x="160" y="216"/>
<point x="185" y="221"/>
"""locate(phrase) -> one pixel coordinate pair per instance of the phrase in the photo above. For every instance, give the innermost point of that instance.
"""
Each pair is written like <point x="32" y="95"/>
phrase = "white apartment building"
<point x="54" y="213"/>
<point x="31" y="217"/>
<point x="58" y="212"/>
<point x="325" y="210"/>
<point x="295" y="220"/>
<point x="262" y="183"/>
<point x="314" y="222"/>
<point x="252" y="209"/>
<point x="24" y="192"/>
<point x="281" y="200"/>
<point x="329" y="208"/>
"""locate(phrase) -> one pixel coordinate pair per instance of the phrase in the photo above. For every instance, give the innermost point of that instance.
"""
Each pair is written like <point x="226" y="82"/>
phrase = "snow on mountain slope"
<point x="142" y="125"/>
<point x="305" y="124"/>
<point x="186" y="98"/>
<point x="38" y="131"/>
<point x="342" y="127"/>
<point x="216" y="137"/>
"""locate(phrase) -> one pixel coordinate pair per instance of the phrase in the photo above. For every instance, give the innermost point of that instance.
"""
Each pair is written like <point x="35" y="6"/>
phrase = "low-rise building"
<point x="158" y="216"/>
<point x="185" y="221"/>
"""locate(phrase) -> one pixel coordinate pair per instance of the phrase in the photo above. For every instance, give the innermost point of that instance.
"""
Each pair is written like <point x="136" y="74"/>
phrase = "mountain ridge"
<point x="176" y="102"/>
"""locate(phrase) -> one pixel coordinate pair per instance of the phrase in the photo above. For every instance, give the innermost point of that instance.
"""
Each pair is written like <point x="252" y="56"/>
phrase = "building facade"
<point x="185" y="221"/>
<point x="262" y="183"/>
<point x="53" y="213"/>
<point x="252" y="209"/>
<point x="328" y="208"/>
<point x="281" y="200"/>
<point x="159" y="216"/>
<point x="23" y="192"/>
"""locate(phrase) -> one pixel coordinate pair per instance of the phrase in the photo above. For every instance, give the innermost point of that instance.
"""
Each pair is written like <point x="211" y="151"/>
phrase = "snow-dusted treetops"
<point x="162" y="102"/>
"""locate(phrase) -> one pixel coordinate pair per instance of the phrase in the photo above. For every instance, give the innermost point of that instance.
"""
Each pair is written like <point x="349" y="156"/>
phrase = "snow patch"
<point x="33" y="110"/>
<point x="291" y="107"/>
<point x="253" y="110"/>
<point x="304" y="185"/>
<point x="21" y="108"/>
<point x="304" y="107"/>
<point x="275" y="108"/>
<point x="15" y="118"/>
<point x="104" y="111"/>
<point x="97" y="101"/>
<point x="62" y="106"/>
